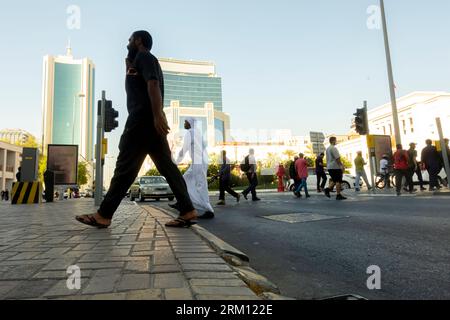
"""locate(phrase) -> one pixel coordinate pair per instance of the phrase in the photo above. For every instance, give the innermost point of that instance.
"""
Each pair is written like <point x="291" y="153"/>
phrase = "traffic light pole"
<point x="98" y="152"/>
<point x="372" y="159"/>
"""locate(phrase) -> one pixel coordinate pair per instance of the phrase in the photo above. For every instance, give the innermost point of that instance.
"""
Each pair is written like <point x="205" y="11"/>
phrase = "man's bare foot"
<point x="192" y="215"/>
<point x="94" y="220"/>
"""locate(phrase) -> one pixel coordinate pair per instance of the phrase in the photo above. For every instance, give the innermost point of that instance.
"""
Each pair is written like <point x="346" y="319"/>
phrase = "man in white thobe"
<point x="195" y="177"/>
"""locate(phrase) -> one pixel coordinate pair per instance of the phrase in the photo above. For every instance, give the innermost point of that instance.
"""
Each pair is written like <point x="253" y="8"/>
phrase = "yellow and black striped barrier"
<point x="26" y="193"/>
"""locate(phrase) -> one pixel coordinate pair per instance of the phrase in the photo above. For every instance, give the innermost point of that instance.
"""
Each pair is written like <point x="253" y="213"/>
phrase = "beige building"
<point x="15" y="136"/>
<point x="10" y="158"/>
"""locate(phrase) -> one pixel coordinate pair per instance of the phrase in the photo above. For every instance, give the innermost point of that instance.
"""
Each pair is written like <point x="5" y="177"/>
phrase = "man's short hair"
<point x="429" y="142"/>
<point x="146" y="38"/>
<point x="333" y="139"/>
<point x="399" y="146"/>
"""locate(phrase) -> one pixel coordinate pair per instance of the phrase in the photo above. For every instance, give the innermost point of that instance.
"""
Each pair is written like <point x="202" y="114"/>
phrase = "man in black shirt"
<point x="320" y="173"/>
<point x="432" y="163"/>
<point x="225" y="180"/>
<point x="145" y="134"/>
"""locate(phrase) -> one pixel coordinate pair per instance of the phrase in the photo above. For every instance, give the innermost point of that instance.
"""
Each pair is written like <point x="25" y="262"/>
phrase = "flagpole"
<point x="398" y="138"/>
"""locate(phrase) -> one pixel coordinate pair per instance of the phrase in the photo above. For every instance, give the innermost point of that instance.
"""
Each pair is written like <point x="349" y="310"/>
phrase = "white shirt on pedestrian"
<point x="332" y="156"/>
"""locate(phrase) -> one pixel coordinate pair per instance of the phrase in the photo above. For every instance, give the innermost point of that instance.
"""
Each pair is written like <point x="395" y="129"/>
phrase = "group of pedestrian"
<point x="298" y="171"/>
<point x="405" y="166"/>
<point x="5" y="195"/>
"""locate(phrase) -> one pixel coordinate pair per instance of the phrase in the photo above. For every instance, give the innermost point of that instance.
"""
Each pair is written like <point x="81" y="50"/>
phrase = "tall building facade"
<point x="193" y="89"/>
<point x="68" y="103"/>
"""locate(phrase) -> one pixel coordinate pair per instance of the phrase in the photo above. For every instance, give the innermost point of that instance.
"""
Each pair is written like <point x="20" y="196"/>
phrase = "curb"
<point x="239" y="262"/>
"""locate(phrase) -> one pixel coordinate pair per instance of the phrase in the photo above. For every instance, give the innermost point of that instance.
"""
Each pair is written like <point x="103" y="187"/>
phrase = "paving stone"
<point x="22" y="272"/>
<point x="195" y="255"/>
<point x="169" y="280"/>
<point x="211" y="275"/>
<point x="101" y="265"/>
<point x="146" y="236"/>
<point x="178" y="294"/>
<point x="128" y="259"/>
<point x="7" y="286"/>
<point x="108" y="296"/>
<point x="75" y="254"/>
<point x="5" y="255"/>
<point x="193" y="250"/>
<point x="164" y="258"/>
<point x="218" y="282"/>
<point x="53" y="253"/>
<point x="205" y="267"/>
<point x="105" y="273"/>
<point x="85" y="246"/>
<point x="116" y="252"/>
<point x="143" y="247"/>
<point x="25" y="255"/>
<point x="56" y="241"/>
<point x="134" y="282"/>
<point x="165" y="269"/>
<point x="201" y="260"/>
<point x="24" y="262"/>
<point x="90" y="257"/>
<point x="138" y="266"/>
<point x="30" y="289"/>
<point x="101" y="285"/>
<point x="58" y="275"/>
<point x="59" y="264"/>
<point x="149" y="294"/>
<point x="76" y="239"/>
<point x="142" y="253"/>
<point x="61" y="289"/>
<point x="214" y="290"/>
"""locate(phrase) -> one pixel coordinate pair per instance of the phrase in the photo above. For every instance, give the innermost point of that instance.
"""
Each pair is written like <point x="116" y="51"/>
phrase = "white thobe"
<point x="195" y="176"/>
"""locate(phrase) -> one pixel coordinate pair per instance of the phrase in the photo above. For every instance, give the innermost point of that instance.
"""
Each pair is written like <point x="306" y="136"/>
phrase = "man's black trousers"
<point x="253" y="179"/>
<point x="136" y="143"/>
<point x="225" y="185"/>
<point x="321" y="176"/>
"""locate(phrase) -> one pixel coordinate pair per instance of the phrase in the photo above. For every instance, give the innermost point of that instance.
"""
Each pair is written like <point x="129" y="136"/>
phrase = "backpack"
<point x="245" y="166"/>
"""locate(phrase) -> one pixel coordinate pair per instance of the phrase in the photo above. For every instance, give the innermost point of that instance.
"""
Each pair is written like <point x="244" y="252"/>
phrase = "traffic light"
<point x="361" y="121"/>
<point x="110" y="117"/>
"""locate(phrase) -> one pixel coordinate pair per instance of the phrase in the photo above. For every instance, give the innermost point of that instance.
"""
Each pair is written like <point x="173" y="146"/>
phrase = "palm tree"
<point x="290" y="154"/>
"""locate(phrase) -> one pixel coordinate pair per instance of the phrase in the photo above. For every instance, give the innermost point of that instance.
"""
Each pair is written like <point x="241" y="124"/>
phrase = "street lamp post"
<point x="391" y="76"/>
<point x="79" y="95"/>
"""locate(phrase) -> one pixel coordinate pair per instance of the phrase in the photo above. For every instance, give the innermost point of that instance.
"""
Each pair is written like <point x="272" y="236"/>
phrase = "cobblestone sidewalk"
<point x="136" y="258"/>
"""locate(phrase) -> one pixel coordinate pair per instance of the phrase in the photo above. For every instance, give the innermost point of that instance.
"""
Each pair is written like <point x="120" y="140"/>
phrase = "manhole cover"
<point x="301" y="217"/>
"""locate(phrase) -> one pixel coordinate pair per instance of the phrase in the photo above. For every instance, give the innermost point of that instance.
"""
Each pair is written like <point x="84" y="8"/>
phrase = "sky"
<point x="287" y="64"/>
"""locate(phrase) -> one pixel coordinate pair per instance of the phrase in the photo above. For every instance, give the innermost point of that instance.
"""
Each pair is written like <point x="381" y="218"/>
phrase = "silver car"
<point x="151" y="188"/>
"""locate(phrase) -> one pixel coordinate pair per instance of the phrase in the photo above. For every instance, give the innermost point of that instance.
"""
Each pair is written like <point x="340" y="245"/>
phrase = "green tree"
<point x="347" y="163"/>
<point x="153" y="172"/>
<point x="290" y="154"/>
<point x="83" y="174"/>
